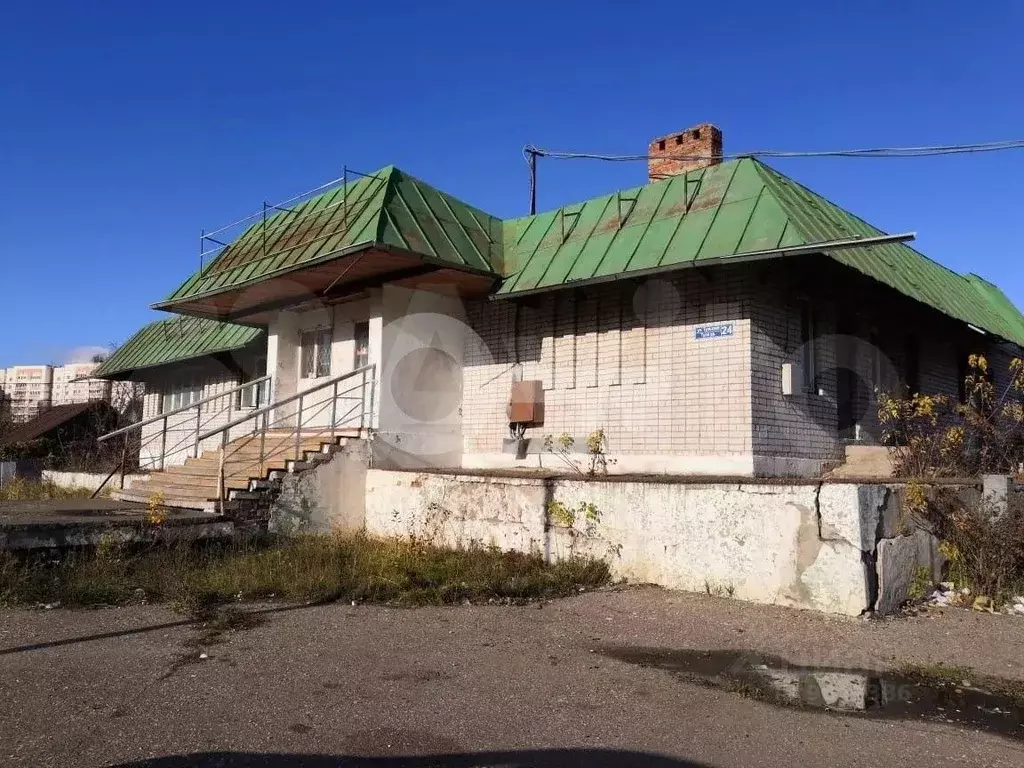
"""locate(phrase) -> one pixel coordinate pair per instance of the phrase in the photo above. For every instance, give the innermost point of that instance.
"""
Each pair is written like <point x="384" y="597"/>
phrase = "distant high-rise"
<point x="26" y="390"/>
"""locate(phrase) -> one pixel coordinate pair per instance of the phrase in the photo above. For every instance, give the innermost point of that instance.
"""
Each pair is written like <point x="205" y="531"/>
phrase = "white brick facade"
<point x="213" y="378"/>
<point x="623" y="358"/>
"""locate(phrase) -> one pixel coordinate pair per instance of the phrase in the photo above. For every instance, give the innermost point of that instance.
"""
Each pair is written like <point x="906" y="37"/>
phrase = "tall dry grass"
<point x="307" y="567"/>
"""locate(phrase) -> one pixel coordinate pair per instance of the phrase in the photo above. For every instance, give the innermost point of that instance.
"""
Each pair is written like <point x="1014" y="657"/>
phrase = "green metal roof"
<point x="731" y="210"/>
<point x="389" y="208"/>
<point x="174" y="340"/>
<point x="741" y="208"/>
<point x="964" y="297"/>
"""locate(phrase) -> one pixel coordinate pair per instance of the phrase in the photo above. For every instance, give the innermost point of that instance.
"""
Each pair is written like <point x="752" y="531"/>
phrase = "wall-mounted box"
<point x="792" y="379"/>
<point x="526" y="403"/>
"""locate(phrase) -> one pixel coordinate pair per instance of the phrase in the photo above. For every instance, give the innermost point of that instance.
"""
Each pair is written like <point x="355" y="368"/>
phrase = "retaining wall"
<point x="833" y="547"/>
<point x="90" y="480"/>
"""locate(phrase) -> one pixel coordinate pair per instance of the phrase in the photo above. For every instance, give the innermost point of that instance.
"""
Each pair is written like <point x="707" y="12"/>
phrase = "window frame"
<point x="184" y="391"/>
<point x="360" y="353"/>
<point x="252" y="398"/>
<point x="315" y="346"/>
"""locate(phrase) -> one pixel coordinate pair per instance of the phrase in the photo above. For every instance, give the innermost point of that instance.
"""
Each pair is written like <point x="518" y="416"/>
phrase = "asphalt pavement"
<point x="468" y="686"/>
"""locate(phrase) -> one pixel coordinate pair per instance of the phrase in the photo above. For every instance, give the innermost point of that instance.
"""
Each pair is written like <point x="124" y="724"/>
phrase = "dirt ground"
<point x="469" y="685"/>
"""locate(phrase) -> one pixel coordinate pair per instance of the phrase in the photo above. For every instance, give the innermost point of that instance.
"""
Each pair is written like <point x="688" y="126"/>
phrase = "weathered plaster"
<point x="809" y="546"/>
<point x="328" y="497"/>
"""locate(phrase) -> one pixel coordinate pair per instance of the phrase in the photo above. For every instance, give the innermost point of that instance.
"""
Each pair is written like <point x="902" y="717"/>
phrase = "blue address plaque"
<point x="714" y="331"/>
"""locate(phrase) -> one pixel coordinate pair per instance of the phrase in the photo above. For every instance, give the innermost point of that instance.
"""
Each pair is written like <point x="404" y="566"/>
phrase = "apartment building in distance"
<point x="28" y="389"/>
<point x="71" y="384"/>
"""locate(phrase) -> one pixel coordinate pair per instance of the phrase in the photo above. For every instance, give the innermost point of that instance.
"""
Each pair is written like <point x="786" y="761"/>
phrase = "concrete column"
<point x="283" y="358"/>
<point x="422" y="347"/>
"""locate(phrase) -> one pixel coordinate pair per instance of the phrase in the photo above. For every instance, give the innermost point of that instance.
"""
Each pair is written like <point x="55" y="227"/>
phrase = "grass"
<point x="307" y="568"/>
<point x="26" y="490"/>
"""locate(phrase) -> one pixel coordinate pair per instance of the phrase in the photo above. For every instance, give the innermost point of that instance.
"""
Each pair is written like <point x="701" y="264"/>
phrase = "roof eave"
<point x="169" y="304"/>
<point x="714" y="261"/>
<point x="124" y="374"/>
<point x="179" y="305"/>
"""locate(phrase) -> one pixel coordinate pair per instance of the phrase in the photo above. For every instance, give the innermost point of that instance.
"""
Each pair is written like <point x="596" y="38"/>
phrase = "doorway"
<point x="847" y="380"/>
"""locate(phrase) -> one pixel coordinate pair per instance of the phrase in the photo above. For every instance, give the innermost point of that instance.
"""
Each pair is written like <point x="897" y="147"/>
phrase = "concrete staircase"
<point x="864" y="462"/>
<point x="194" y="484"/>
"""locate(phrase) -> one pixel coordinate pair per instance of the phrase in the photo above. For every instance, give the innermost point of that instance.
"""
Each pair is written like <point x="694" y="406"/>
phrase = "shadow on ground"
<point x="541" y="758"/>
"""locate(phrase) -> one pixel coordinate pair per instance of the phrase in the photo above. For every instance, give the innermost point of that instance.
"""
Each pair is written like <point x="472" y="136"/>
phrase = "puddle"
<point x="849" y="691"/>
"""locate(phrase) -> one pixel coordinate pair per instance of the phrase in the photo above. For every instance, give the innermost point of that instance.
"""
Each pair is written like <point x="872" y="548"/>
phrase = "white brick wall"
<point x="623" y="361"/>
<point x="795" y="434"/>
<point x="181" y="432"/>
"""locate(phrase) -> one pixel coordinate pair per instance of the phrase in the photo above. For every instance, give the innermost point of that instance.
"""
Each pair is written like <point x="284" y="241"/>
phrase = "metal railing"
<point x="284" y="425"/>
<point x="188" y="437"/>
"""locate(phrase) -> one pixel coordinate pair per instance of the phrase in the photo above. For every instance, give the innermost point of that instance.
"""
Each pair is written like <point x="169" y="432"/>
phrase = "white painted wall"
<point x="284" y="359"/>
<point x="808" y="546"/>
<point x="179" y="443"/>
<point x="90" y="480"/>
<point x="422" y="348"/>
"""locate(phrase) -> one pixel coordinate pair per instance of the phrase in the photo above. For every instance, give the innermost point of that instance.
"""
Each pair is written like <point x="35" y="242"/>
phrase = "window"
<point x="969" y="377"/>
<point x="315" y="353"/>
<point x="253" y="397"/>
<point x="361" y="355"/>
<point x="181" y="394"/>
<point x="809" y="359"/>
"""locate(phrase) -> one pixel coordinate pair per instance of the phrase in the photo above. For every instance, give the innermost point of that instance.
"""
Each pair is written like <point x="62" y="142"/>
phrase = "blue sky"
<point x="126" y="127"/>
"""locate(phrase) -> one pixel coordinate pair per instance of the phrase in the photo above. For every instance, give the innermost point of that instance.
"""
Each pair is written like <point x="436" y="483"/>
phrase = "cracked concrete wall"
<point x="812" y="546"/>
<point x="329" y="497"/>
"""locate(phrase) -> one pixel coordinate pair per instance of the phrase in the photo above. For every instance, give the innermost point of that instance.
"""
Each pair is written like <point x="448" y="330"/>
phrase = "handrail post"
<point x="334" y="410"/>
<point x="124" y="459"/>
<point x="263" y="442"/>
<point x="199" y="428"/>
<point x="298" y="429"/>
<point x="362" y="403"/>
<point x="163" y="444"/>
<point x="373" y="389"/>
<point x="221" y="483"/>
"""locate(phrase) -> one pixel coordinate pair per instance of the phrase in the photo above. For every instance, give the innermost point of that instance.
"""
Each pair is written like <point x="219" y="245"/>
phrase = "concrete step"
<point x="865" y="461"/>
<point x="178" y="503"/>
<point x="168" y="483"/>
<point x="194" y="484"/>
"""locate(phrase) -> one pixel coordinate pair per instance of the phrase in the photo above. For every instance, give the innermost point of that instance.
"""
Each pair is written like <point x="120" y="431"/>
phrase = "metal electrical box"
<point x="792" y="379"/>
<point x="526" y="403"/>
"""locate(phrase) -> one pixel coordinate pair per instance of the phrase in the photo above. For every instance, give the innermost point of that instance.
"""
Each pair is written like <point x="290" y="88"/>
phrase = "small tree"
<point x="936" y="436"/>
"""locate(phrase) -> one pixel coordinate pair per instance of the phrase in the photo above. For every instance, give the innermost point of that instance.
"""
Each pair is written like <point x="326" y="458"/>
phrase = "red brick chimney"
<point x="702" y="142"/>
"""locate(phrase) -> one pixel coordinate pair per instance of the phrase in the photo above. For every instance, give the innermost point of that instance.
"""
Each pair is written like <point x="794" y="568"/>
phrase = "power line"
<point x="874" y="152"/>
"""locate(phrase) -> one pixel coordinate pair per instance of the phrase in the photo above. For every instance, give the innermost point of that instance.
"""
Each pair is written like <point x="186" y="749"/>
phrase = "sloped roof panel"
<point x="388" y="207"/>
<point x="732" y="209"/>
<point x="174" y="340"/>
